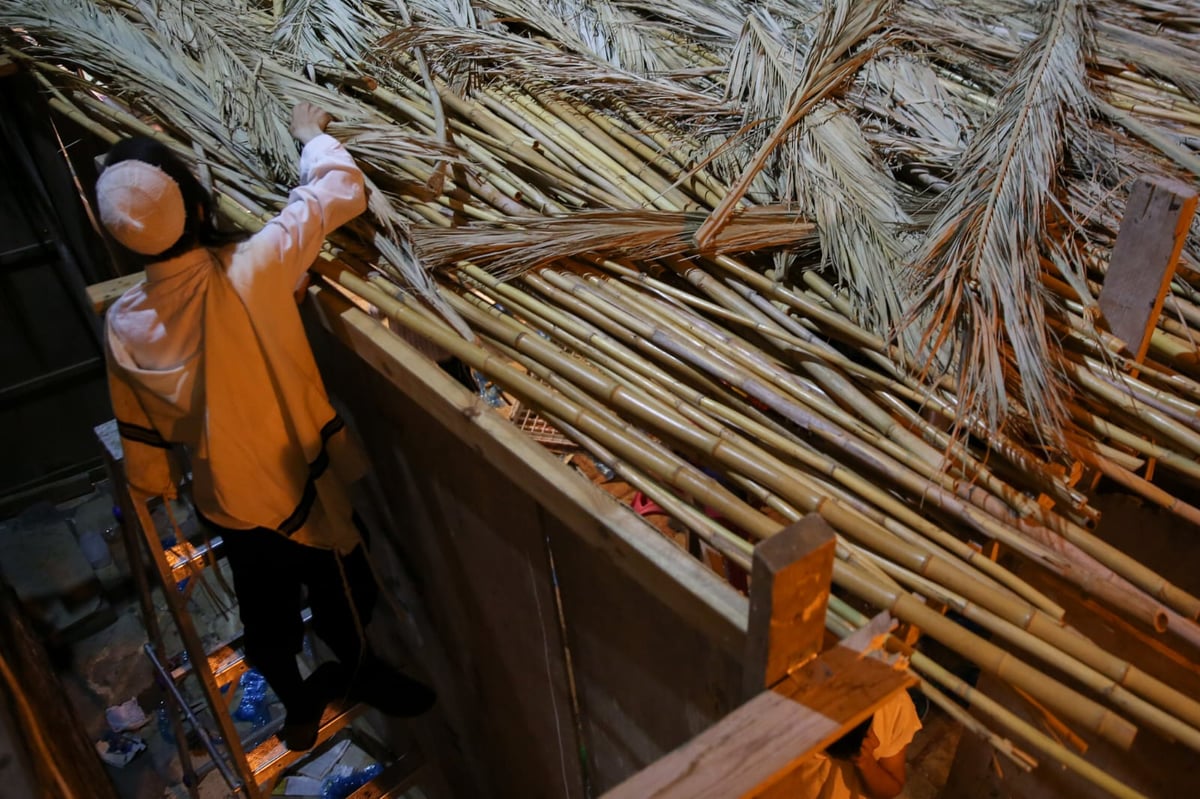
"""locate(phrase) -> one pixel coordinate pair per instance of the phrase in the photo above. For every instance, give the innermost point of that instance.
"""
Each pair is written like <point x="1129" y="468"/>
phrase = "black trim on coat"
<point x="299" y="516"/>
<point x="142" y="435"/>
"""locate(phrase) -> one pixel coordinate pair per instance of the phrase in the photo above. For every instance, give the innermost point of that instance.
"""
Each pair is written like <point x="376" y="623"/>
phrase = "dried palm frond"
<point x="419" y="282"/>
<point x="448" y="13"/>
<point x="597" y="28"/>
<point x="1169" y="18"/>
<point x="924" y="126"/>
<point x="978" y="274"/>
<point x="520" y="244"/>
<point x="296" y="87"/>
<point x="112" y="47"/>
<point x="839" y="49"/>
<point x="977" y="41"/>
<point x="865" y="234"/>
<point x="202" y="30"/>
<point x="715" y="22"/>
<point x="388" y="148"/>
<point x="471" y="57"/>
<point x="764" y="68"/>
<point x="323" y="32"/>
<point x="1154" y="135"/>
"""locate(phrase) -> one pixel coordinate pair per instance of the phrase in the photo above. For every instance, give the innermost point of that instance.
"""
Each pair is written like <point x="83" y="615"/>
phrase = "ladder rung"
<point x="196" y="556"/>
<point x="224" y="657"/>
<point x="227" y="662"/>
<point x="269" y="759"/>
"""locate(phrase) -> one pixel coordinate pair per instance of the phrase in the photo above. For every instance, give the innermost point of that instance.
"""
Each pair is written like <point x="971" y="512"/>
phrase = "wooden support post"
<point x="1153" y="230"/>
<point x="810" y="700"/>
<point x="751" y="753"/>
<point x="789" y="590"/>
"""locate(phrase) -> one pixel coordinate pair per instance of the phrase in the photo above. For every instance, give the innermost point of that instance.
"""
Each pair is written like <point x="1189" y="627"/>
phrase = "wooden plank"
<point x="478" y="584"/>
<point x="763" y="741"/>
<point x="789" y="589"/>
<point x="701" y="599"/>
<point x="102" y="295"/>
<point x="647" y="682"/>
<point x="1153" y="231"/>
<point x="450" y="463"/>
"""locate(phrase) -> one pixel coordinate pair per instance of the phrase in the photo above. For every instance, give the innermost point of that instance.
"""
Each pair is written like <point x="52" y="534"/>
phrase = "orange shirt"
<point x="822" y="777"/>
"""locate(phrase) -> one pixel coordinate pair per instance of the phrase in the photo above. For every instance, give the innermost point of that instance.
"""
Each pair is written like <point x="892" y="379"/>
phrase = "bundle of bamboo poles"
<point x="723" y="221"/>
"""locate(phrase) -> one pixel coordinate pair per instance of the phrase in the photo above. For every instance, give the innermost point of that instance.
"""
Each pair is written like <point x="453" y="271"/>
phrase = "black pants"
<point x="270" y="576"/>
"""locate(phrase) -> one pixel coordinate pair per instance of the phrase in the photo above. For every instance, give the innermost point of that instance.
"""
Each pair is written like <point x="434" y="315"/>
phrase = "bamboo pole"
<point x="1102" y="722"/>
<point x="1081" y="568"/>
<point x="728" y="450"/>
<point x="845" y="618"/>
<point x="793" y="449"/>
<point x="991" y="658"/>
<point x="720" y="538"/>
<point x="656" y="462"/>
<point x="1075" y="656"/>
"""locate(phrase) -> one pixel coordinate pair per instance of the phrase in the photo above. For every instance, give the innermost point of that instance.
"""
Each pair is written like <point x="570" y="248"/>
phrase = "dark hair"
<point x="199" y="229"/>
<point x="846" y="747"/>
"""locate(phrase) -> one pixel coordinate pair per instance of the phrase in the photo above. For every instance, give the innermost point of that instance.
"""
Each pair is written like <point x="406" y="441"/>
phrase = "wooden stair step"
<point x="397" y="779"/>
<point x="271" y="758"/>
<point x="226" y="660"/>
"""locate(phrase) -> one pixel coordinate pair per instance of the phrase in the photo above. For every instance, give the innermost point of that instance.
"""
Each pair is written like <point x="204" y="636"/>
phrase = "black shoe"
<point x="300" y="735"/>
<point x="390" y="691"/>
<point x="302" y="724"/>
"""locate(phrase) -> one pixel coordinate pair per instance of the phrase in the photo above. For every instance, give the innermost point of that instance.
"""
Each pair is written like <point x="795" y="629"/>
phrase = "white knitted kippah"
<point x="141" y="206"/>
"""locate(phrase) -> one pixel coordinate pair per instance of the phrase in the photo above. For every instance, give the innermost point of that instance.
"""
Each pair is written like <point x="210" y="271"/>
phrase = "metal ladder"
<point x="251" y="766"/>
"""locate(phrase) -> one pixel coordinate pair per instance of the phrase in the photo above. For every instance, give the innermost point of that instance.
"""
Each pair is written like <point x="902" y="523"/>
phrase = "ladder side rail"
<point x="137" y="567"/>
<point x="196" y="653"/>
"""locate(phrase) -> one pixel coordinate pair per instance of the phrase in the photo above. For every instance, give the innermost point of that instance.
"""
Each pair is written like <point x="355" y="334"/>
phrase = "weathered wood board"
<point x="1153" y="230"/>
<point x="477" y="509"/>
<point x="756" y="747"/>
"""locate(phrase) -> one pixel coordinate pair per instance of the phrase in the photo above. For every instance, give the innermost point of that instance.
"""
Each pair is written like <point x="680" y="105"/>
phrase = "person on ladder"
<point x="209" y="353"/>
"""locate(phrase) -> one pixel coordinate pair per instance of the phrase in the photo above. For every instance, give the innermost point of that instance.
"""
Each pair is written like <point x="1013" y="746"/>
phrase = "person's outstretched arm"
<point x="331" y="193"/>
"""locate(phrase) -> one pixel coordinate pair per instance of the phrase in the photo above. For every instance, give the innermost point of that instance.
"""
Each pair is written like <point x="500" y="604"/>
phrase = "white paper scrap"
<point x="301" y="786"/>
<point x="318" y="767"/>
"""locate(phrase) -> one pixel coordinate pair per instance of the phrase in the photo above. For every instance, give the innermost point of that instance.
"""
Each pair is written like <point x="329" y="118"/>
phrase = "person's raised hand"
<point x="309" y="121"/>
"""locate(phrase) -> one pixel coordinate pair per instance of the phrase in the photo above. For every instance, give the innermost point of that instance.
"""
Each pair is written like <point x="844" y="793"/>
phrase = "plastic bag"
<point x="164" y="723"/>
<point x="345" y="781"/>
<point x="118" y="748"/>
<point x="253" y="705"/>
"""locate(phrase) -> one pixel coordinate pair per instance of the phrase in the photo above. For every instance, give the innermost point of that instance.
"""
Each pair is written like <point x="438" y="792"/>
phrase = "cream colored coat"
<point x="209" y="353"/>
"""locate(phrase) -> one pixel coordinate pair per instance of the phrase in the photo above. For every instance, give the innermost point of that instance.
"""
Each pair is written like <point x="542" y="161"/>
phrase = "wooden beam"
<point x="789" y="589"/>
<point x="756" y="747"/>
<point x="102" y="295"/>
<point x="1153" y="231"/>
